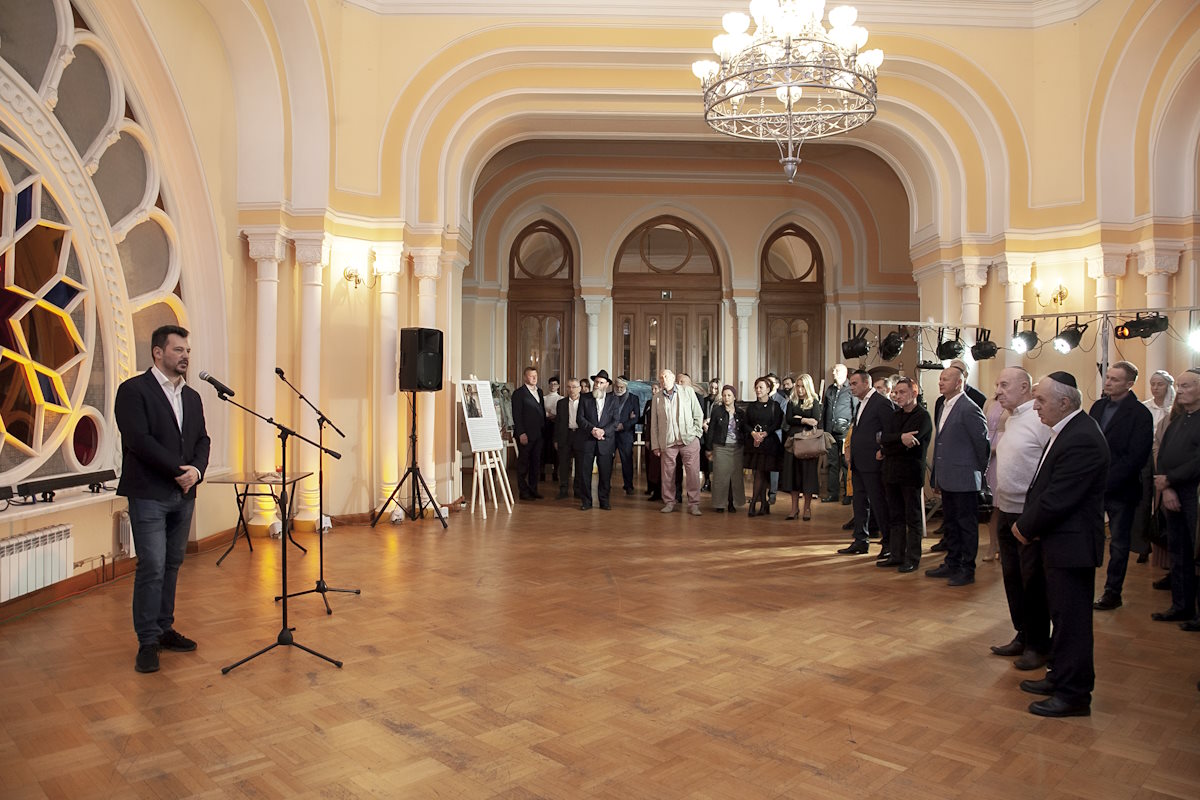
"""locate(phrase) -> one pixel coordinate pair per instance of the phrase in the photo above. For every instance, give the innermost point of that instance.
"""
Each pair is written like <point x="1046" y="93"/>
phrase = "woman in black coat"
<point x="798" y="476"/>
<point x="725" y="442"/>
<point x="764" y="418"/>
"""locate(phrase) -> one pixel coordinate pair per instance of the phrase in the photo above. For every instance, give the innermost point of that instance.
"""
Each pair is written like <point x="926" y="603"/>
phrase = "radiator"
<point x="36" y="559"/>
<point x="124" y="534"/>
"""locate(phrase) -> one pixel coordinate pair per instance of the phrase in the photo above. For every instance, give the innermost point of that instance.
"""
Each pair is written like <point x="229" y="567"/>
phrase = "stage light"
<point x="857" y="345"/>
<point x="891" y="346"/>
<point x="1141" y="327"/>
<point x="1068" y="338"/>
<point x="951" y="348"/>
<point x="46" y="487"/>
<point x="1194" y="340"/>
<point x="1024" y="341"/>
<point x="985" y="348"/>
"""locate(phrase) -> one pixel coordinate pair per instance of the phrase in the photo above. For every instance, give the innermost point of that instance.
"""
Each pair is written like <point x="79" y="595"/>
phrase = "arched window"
<point x="792" y="273"/>
<point x="541" y="271"/>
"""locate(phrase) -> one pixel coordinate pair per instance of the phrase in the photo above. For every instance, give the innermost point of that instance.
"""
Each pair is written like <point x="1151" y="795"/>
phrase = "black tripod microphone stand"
<point x="322" y="588"/>
<point x="285" y="637"/>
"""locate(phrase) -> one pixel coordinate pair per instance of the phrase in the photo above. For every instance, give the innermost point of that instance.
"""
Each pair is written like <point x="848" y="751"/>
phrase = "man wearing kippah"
<point x="1064" y="511"/>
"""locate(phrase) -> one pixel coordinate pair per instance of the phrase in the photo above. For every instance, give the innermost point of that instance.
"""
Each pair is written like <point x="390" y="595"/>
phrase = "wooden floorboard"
<point x="560" y="654"/>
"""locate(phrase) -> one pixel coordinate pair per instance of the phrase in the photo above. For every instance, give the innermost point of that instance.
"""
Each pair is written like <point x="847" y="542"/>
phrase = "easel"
<point x="489" y="473"/>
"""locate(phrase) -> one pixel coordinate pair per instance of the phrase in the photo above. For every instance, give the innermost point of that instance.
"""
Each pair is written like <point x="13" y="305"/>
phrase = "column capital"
<point x="389" y="258"/>
<point x="311" y="248"/>
<point x="1107" y="261"/>
<point x="266" y="244"/>
<point x="1160" y="257"/>
<point x="744" y="307"/>
<point x="970" y="272"/>
<point x="427" y="262"/>
<point x="592" y="306"/>
<point x="1014" y="268"/>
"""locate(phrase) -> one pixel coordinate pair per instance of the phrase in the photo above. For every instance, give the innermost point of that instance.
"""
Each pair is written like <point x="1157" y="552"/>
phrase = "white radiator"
<point x="125" y="534"/>
<point x="36" y="559"/>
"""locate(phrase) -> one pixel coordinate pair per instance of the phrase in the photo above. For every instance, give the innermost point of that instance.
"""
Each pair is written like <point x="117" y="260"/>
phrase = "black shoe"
<point x="853" y="550"/>
<point x="537" y="496"/>
<point x="173" y="640"/>
<point x="1163" y="583"/>
<point x="147" y="658"/>
<point x="562" y="495"/>
<point x="940" y="547"/>
<point x="585" y="506"/>
<point x="1014" y="648"/>
<point x="629" y="491"/>
<point x="961" y="579"/>
<point x="730" y="507"/>
<point x="846" y="501"/>
<point x="1107" y="602"/>
<point x="885" y="555"/>
<point x="605" y="507"/>
<point x="1143" y="558"/>
<point x="940" y="571"/>
<point x="656" y="497"/>
<point x="910" y="566"/>
<point x="1172" y="614"/>
<point x="1191" y="626"/>
<point x="719" y="510"/>
<point x="887" y="562"/>
<point x="1030" y="659"/>
<point x="525" y="496"/>
<point x="829" y="498"/>
<point x="1057" y="707"/>
<point x="791" y="517"/>
<point x="707" y="487"/>
<point x="1038" y="687"/>
<point x="848" y="525"/>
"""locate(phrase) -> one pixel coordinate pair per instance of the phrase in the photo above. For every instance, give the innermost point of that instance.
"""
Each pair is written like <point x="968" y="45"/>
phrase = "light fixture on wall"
<point x="1056" y="297"/>
<point x="354" y="277"/>
<point x="984" y="348"/>
<point x="790" y="80"/>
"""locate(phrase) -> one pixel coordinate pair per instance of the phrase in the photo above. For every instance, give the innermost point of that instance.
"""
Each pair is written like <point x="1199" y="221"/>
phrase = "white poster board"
<point x="479" y="413"/>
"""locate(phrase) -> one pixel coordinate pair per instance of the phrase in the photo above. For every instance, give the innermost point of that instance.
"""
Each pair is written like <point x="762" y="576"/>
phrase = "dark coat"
<point x="588" y="419"/>
<point x="562" y="419"/>
<point x="1130" y="437"/>
<point x="1064" y="507"/>
<point x="529" y="415"/>
<point x="718" y="425"/>
<point x="871" y="421"/>
<point x="960" y="454"/>
<point x="153" y="448"/>
<point x="905" y="466"/>
<point x="629" y="414"/>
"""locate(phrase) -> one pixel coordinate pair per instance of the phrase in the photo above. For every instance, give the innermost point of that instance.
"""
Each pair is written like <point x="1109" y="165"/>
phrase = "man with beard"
<point x="599" y="415"/>
<point x="629" y="412"/>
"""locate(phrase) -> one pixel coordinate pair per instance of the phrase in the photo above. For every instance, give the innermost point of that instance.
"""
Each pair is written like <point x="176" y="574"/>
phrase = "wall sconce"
<point x="1056" y="298"/>
<point x="354" y="277"/>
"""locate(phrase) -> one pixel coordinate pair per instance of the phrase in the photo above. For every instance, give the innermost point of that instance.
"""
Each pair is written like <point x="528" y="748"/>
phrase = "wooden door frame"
<point x="539" y="307"/>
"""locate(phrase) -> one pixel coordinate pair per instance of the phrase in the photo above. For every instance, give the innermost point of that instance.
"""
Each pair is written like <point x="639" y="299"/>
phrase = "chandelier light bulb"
<point x="843" y="16"/>
<point x="723" y="46"/>
<point x="786" y="93"/>
<point x="705" y="69"/>
<point x="872" y="59"/>
<point x="735" y="22"/>
<point x="860" y="36"/>
<point x="762" y="10"/>
<point x="844" y="38"/>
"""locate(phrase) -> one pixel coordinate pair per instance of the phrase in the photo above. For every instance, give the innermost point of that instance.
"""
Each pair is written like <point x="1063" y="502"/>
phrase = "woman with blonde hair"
<point x="798" y="476"/>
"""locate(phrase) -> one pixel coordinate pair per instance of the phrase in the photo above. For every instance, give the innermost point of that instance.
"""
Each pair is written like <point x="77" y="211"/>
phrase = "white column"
<point x="744" y="306"/>
<point x="427" y="270"/>
<point x="267" y="248"/>
<point x="389" y="264"/>
<point x="1105" y="266"/>
<point x="1158" y="263"/>
<point x="310" y="259"/>
<point x="592" y="307"/>
<point x="970" y="276"/>
<point x="1014" y="272"/>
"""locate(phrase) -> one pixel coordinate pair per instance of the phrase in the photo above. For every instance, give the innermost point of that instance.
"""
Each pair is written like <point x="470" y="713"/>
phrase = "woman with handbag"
<point x="805" y="446"/>
<point x="764" y="418"/>
<point x="724" y="442"/>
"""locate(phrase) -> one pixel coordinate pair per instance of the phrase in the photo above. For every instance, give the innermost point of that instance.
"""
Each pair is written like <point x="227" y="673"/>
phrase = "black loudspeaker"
<point x="420" y="360"/>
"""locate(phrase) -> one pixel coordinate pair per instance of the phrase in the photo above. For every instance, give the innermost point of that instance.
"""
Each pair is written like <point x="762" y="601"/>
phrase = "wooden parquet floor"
<point x="560" y="654"/>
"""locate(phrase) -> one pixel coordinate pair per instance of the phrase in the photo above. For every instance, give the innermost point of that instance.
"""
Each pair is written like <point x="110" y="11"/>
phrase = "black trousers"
<point x="906" y="505"/>
<point x="870" y="499"/>
<point x="591" y="456"/>
<point x="529" y="465"/>
<point x="1181" y="542"/>
<point x="1069" y="596"/>
<point x="570" y="453"/>
<point x="961" y="529"/>
<point x="835" y="467"/>
<point x="1024" y="586"/>
<point x="625" y="448"/>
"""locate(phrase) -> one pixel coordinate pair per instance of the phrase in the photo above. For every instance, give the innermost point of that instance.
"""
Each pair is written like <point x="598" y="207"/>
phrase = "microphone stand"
<point x="285" y="637"/>
<point x="322" y="588"/>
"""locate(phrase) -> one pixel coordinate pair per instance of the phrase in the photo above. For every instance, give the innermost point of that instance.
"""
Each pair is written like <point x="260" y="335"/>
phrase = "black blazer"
<point x="630" y="413"/>
<point x="562" y="420"/>
<point x="588" y="419"/>
<point x="153" y="449"/>
<point x="905" y="466"/>
<point x="871" y="421"/>
<point x="529" y="415"/>
<point x="1064" y="507"/>
<point x="1130" y="437"/>
<point x="718" y="425"/>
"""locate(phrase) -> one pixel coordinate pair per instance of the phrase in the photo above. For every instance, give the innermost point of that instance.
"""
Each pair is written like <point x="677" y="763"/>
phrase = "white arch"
<point x="524" y="215"/>
<point x="1173" y="147"/>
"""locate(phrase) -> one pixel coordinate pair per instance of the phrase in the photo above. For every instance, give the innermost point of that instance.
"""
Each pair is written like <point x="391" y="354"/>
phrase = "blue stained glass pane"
<point x="24" y="206"/>
<point x="48" y="390"/>
<point x="61" y="294"/>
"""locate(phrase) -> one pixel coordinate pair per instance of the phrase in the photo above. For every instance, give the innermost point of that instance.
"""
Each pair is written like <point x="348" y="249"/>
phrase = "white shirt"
<point x="599" y="406"/>
<point x="174" y="393"/>
<point x="950" y="401"/>
<point x="572" y="412"/>
<point x="1017" y="456"/>
<point x="1054" y="432"/>
<point x="551" y="402"/>
<point x="1159" y="413"/>
<point x="863" y="403"/>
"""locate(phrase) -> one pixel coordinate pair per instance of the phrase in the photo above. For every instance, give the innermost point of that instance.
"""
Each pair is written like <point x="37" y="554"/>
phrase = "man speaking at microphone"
<point x="164" y="453"/>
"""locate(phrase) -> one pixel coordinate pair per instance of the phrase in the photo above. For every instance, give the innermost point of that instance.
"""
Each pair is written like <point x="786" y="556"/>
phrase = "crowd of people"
<point x="1042" y="473"/>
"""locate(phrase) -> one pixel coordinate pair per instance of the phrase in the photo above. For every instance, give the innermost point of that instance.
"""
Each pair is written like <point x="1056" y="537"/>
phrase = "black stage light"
<point x="951" y="348"/>
<point x="985" y="348"/>
<point x="6" y="492"/>
<point x="857" y="345"/>
<point x="891" y="346"/>
<point x="1023" y="341"/>
<point x="46" y="487"/>
<point x="1068" y="338"/>
<point x="1141" y="327"/>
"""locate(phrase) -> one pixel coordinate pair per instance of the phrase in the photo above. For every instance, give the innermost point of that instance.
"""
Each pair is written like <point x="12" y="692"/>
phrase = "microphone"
<point x="279" y="371"/>
<point x="220" y="387"/>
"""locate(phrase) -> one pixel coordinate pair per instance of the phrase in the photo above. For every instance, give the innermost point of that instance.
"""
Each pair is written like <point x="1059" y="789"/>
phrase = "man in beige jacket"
<point x="676" y="430"/>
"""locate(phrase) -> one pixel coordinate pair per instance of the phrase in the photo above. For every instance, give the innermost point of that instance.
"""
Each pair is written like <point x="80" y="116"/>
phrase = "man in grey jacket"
<point x="676" y="428"/>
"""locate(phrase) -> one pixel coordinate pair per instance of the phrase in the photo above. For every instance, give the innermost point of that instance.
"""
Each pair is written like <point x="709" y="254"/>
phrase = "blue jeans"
<point x="160" y="534"/>
<point x="1120" y="528"/>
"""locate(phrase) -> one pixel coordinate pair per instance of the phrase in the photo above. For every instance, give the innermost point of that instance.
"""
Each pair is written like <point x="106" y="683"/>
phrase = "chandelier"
<point x="792" y="79"/>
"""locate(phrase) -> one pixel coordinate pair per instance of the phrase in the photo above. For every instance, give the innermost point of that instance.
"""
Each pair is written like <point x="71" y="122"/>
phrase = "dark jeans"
<point x="1181" y="530"/>
<point x="1120" y="529"/>
<point x="870" y="500"/>
<point x="835" y="467"/>
<point x="1024" y="586"/>
<point x="1069" y="596"/>
<point x="160" y="534"/>
<point x="960" y="510"/>
<point x="906" y="504"/>
<point x="529" y="466"/>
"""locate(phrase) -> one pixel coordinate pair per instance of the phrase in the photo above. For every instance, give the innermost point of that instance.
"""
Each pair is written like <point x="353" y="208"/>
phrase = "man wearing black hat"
<point x="1064" y="510"/>
<point x="599" y="413"/>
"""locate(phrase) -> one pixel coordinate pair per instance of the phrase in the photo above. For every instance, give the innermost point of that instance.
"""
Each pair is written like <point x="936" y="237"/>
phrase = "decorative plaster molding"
<point x="592" y="307"/>
<point x="268" y="244"/>
<point x="1106" y="261"/>
<point x="1015" y="268"/>
<point x="744" y="307"/>
<point x="971" y="272"/>
<point x="311" y="248"/>
<point x="1160" y="257"/>
<point x="427" y="262"/>
<point x="389" y="258"/>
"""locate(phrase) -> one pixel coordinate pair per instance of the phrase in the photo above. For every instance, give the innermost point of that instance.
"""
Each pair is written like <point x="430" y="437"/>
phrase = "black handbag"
<point x="986" y="505"/>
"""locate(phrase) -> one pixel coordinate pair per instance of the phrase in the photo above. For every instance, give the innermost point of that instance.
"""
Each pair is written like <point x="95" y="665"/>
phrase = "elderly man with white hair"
<point x="678" y="424"/>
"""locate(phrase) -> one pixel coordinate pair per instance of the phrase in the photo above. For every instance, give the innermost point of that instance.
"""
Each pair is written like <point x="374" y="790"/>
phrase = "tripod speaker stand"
<point x="419" y="490"/>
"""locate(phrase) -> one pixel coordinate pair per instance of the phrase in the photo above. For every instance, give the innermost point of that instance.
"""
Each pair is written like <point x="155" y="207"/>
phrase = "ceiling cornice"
<point x="972" y="13"/>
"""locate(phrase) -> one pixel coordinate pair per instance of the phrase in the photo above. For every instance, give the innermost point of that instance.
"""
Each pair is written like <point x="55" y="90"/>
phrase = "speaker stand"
<point x="418" y="488"/>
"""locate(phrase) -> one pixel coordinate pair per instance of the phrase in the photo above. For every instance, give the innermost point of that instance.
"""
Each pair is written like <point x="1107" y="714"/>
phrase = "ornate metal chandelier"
<point x="792" y="79"/>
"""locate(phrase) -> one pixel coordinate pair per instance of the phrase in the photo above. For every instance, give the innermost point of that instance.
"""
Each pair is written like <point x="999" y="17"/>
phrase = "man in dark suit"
<point x="529" y="420"/>
<point x="866" y="471"/>
<point x="838" y="407"/>
<point x="1129" y="430"/>
<point x="977" y="397"/>
<point x="1064" y="510"/>
<point x="164" y="453"/>
<point x="960" y="457"/>
<point x="570" y="438"/>
<point x="599" y="412"/>
<point x="904" y="442"/>
<point x="627" y="418"/>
